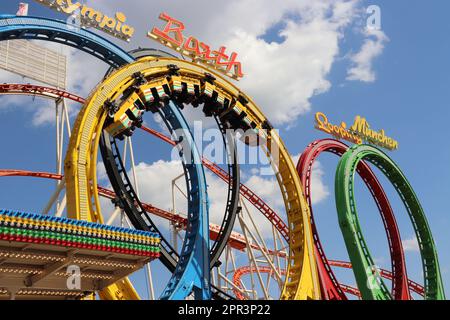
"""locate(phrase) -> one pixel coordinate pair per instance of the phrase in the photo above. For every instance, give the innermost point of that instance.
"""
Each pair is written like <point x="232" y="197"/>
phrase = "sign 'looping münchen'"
<point x="360" y="131"/>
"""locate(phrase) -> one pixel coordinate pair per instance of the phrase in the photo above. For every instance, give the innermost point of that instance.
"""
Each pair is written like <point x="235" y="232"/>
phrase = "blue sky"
<point x="409" y="99"/>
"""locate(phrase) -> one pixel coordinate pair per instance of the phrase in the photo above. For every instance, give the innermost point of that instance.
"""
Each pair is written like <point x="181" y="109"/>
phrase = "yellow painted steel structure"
<point x="81" y="180"/>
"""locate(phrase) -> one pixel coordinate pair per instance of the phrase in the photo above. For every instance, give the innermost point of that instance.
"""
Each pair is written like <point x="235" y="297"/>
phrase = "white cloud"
<point x="44" y="114"/>
<point x="158" y="176"/>
<point x="319" y="191"/>
<point x="282" y="77"/>
<point x="411" y="245"/>
<point x="362" y="61"/>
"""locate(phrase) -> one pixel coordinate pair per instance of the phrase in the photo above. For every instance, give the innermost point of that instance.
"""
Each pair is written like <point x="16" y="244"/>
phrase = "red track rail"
<point x="412" y="285"/>
<point x="247" y="270"/>
<point x="236" y="240"/>
<point x="239" y="273"/>
<point x="330" y="286"/>
<point x="245" y="191"/>
<point x="350" y="290"/>
<point x="33" y="90"/>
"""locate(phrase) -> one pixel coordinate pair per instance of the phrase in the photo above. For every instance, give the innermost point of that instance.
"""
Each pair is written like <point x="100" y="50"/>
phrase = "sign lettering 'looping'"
<point x="360" y="131"/>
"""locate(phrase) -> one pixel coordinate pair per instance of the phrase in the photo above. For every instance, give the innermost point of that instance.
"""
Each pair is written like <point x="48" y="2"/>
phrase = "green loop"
<point x="348" y="220"/>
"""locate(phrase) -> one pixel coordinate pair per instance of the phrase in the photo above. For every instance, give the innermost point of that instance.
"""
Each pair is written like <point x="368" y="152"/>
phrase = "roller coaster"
<point x="214" y="258"/>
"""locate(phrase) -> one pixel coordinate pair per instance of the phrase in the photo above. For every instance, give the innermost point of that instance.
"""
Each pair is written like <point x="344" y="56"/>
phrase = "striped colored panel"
<point x="191" y="88"/>
<point x="176" y="86"/>
<point x="208" y="89"/>
<point x="24" y="227"/>
<point x="236" y="109"/>
<point x="221" y="99"/>
<point x="161" y="92"/>
<point x="76" y="226"/>
<point x="136" y="111"/>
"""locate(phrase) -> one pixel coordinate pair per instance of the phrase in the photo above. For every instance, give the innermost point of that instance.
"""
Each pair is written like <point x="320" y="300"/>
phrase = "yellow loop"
<point x="80" y="164"/>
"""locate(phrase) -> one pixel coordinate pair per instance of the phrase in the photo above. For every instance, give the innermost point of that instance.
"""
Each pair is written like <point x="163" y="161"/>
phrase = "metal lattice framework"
<point x="12" y="27"/>
<point x="164" y="85"/>
<point x="236" y="241"/>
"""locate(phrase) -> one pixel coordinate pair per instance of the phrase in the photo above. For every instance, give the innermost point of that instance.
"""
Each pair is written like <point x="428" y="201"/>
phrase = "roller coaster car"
<point x="185" y="90"/>
<point x="127" y="117"/>
<point x="215" y="99"/>
<point x="155" y="94"/>
<point x="239" y="120"/>
<point x="236" y="116"/>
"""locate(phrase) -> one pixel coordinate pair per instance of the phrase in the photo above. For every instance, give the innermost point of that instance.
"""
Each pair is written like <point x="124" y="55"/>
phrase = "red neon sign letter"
<point x="173" y="26"/>
<point x="172" y="36"/>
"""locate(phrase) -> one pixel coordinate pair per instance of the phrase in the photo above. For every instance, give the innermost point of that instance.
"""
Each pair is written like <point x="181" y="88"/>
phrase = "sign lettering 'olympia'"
<point x="171" y="36"/>
<point x="360" y="131"/>
<point x="91" y="17"/>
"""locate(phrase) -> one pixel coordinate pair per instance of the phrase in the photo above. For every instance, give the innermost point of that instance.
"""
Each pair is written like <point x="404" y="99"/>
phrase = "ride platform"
<point x="44" y="257"/>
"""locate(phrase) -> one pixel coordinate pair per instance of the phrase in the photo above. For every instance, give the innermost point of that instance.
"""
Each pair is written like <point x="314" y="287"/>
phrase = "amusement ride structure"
<point x="215" y="261"/>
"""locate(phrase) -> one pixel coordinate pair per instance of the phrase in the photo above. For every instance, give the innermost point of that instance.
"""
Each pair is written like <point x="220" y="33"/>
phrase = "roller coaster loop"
<point x="236" y="240"/>
<point x="158" y="78"/>
<point x="12" y="27"/>
<point x="331" y="288"/>
<point x="350" y="227"/>
<point x="120" y="181"/>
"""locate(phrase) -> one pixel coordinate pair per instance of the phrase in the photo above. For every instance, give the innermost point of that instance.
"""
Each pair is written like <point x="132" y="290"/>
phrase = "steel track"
<point x="330" y="285"/>
<point x="12" y="27"/>
<point x="362" y="262"/>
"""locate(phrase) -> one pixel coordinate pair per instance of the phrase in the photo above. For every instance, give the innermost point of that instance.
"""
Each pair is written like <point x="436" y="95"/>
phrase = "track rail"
<point x="79" y="180"/>
<point x="242" y="271"/>
<point x="35" y="90"/>
<point x="38" y="28"/>
<point x="236" y="240"/>
<point x="360" y="257"/>
<point x="301" y="279"/>
<point x="245" y="191"/>
<point x="330" y="286"/>
<point x="219" y="234"/>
